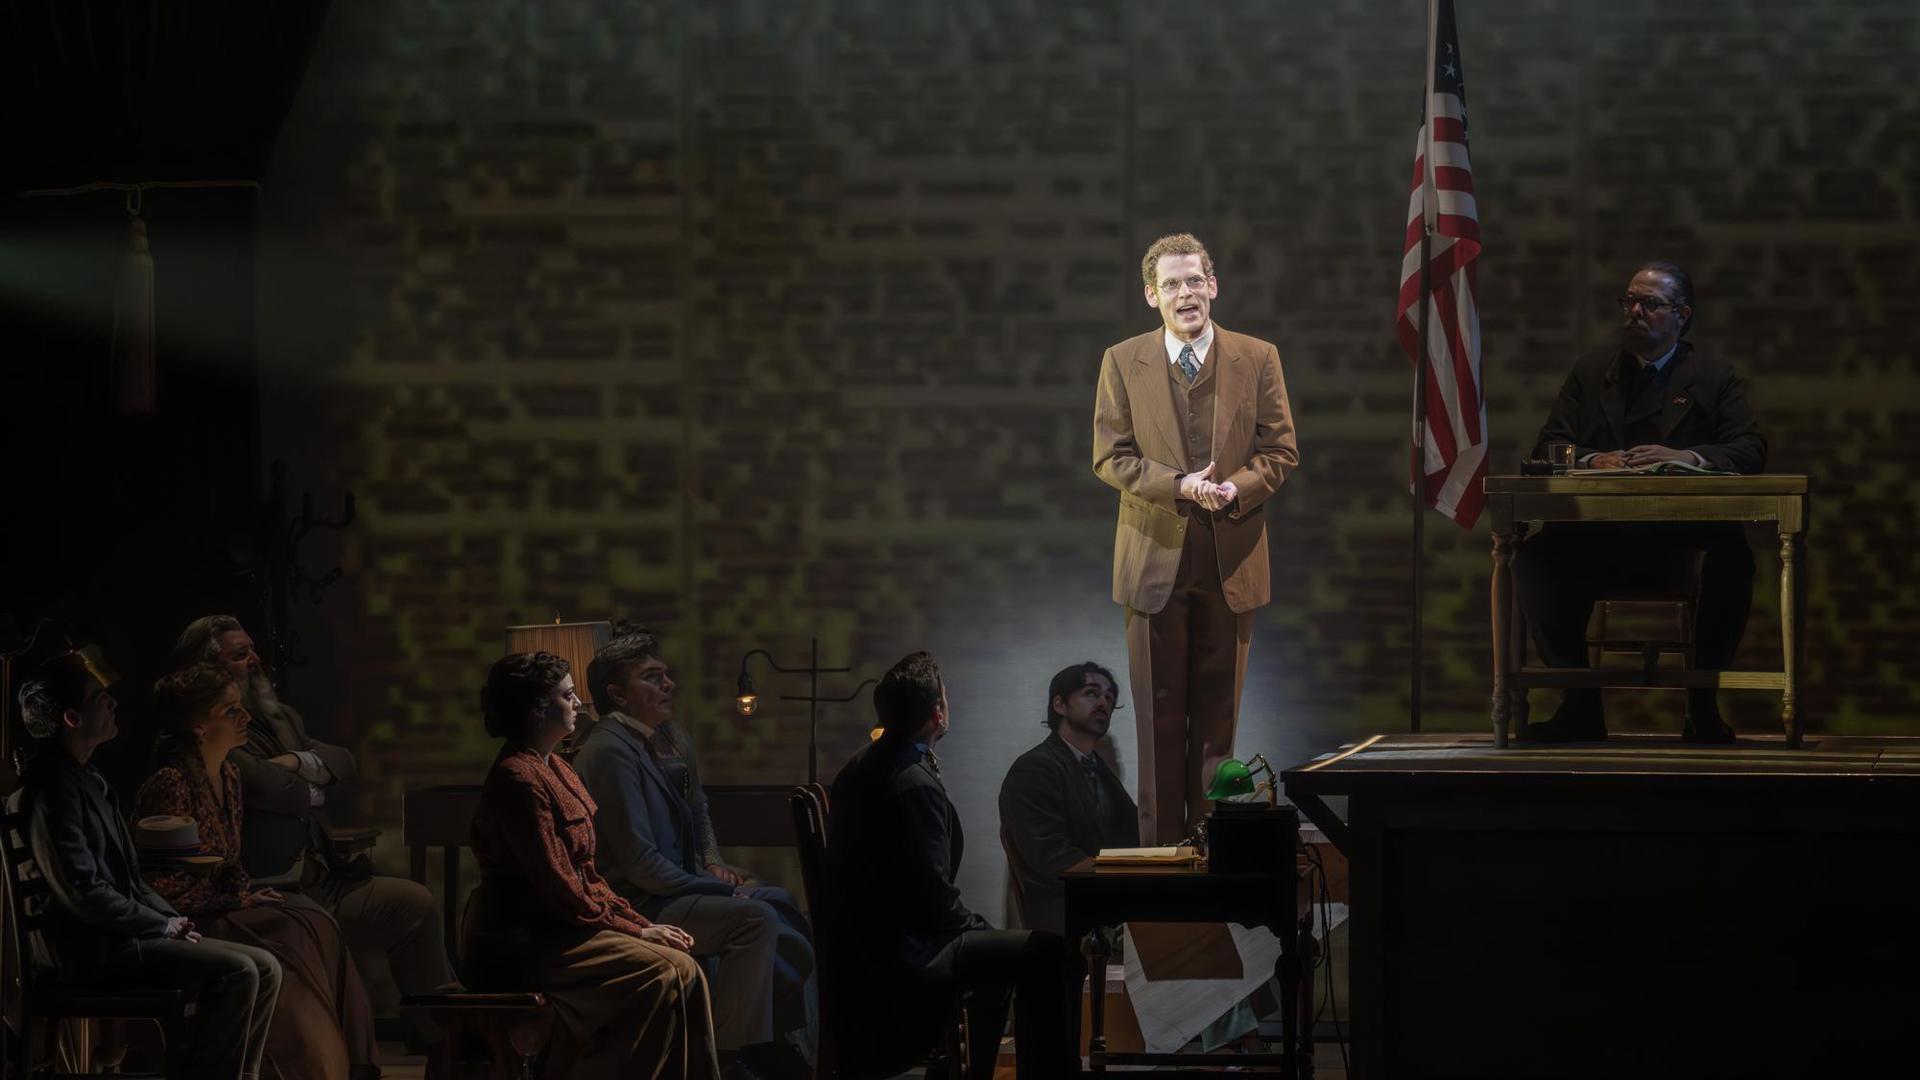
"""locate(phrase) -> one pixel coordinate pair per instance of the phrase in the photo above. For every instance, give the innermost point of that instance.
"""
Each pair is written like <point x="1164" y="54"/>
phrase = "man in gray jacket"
<point x="656" y="846"/>
<point x="107" y="923"/>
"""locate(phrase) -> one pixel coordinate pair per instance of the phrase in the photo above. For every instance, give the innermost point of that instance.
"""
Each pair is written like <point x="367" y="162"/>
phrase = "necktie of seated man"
<point x="1189" y="363"/>
<point x="1092" y="771"/>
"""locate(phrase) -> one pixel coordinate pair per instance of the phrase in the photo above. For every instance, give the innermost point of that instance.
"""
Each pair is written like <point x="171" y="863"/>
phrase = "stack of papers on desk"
<point x="1145" y="856"/>
<point x="1658" y="468"/>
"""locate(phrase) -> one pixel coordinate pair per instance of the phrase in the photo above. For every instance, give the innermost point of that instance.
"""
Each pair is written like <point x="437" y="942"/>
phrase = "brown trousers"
<point x="1187" y="663"/>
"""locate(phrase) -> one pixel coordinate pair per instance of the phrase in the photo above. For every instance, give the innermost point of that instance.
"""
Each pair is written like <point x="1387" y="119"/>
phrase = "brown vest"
<point x="1193" y="408"/>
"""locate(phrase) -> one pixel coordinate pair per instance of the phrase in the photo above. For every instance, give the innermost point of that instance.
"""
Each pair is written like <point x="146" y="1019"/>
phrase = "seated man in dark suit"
<point x="107" y="925"/>
<point x="1060" y="803"/>
<point x="657" y="849"/>
<point x="909" y="945"/>
<point x="1649" y="399"/>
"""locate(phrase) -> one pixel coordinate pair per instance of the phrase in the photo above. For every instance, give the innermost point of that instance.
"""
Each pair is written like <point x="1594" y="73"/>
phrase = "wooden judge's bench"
<point x="1514" y="502"/>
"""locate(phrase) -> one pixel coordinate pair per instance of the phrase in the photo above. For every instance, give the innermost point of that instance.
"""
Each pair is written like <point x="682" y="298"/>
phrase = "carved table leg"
<point x="1503" y="544"/>
<point x="1790" y="616"/>
<point x="1095" y="947"/>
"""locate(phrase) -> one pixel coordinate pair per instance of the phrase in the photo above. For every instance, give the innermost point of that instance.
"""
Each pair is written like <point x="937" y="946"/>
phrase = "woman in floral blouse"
<point x="634" y="1002"/>
<point x="322" y="1028"/>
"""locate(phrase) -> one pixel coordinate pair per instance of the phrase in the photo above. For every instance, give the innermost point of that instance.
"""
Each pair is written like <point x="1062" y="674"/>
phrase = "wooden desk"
<point x="1648" y="908"/>
<point x="1099" y="898"/>
<point x="1514" y="501"/>
<point x="744" y="815"/>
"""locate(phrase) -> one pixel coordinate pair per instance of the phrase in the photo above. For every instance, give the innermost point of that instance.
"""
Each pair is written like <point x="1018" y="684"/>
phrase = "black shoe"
<point x="1578" y="719"/>
<point x="1703" y="721"/>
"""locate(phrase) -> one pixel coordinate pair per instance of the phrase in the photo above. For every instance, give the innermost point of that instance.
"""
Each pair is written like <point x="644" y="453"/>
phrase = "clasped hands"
<point x="1632" y="457"/>
<point x="1195" y="487"/>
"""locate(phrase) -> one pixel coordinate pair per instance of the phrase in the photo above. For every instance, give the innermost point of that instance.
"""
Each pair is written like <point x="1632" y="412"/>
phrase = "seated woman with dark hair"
<point x="632" y="999"/>
<point x="323" y="1027"/>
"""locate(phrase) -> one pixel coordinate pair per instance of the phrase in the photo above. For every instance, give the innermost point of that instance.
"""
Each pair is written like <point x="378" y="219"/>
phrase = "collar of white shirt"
<point x="1201" y="345"/>
<point x="635" y="726"/>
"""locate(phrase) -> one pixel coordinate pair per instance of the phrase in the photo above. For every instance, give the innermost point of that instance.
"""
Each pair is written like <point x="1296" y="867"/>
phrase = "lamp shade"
<point x="1232" y="778"/>
<point x="574" y="642"/>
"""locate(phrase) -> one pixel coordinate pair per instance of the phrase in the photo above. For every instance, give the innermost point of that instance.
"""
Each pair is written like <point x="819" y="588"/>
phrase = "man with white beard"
<point x="287" y="778"/>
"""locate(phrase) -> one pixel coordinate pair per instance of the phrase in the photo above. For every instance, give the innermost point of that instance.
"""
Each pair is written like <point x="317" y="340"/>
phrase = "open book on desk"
<point x="1146" y="856"/>
<point x="1658" y="468"/>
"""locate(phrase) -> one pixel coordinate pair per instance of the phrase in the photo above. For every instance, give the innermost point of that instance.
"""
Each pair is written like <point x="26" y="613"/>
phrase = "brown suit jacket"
<point x="1138" y="449"/>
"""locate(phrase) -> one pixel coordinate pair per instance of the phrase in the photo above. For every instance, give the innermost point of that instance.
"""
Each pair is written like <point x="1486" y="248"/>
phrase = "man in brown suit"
<point x="1191" y="424"/>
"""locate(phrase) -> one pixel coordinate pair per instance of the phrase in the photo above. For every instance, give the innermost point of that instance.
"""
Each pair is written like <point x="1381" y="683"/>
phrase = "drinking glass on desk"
<point x="1560" y="456"/>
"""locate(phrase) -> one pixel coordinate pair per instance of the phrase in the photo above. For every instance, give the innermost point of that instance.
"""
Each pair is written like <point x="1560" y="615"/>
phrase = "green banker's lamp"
<point x="1235" y="778"/>
<point x="1249" y="836"/>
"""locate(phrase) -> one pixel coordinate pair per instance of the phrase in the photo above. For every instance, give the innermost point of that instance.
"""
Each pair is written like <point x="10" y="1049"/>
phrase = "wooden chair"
<point x="485" y="1036"/>
<point x="809" y="805"/>
<point x="44" y="997"/>
<point x="499" y="1035"/>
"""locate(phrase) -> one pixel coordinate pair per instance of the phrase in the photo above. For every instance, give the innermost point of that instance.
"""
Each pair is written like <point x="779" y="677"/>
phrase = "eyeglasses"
<point x="1171" y="286"/>
<point x="1652" y="305"/>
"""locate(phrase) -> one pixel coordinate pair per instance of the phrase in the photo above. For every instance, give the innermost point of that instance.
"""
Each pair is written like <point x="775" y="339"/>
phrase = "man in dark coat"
<point x="908" y="944"/>
<point x="1060" y="803"/>
<point x="106" y="924"/>
<point x="1653" y="398"/>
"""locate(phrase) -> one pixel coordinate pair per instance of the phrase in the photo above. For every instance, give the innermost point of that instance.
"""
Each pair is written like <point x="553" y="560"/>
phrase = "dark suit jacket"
<point x="649" y="847"/>
<point x="282" y="824"/>
<point x="1049" y="821"/>
<point x="1704" y="409"/>
<point x="893" y="847"/>
<point x="102" y="904"/>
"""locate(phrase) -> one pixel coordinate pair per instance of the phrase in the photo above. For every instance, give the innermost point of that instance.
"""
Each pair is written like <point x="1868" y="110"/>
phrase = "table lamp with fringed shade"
<point x="574" y="642"/>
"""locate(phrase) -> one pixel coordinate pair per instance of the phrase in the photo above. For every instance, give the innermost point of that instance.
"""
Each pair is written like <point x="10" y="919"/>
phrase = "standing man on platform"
<point x="1191" y="425"/>
<point x="1650" y="398"/>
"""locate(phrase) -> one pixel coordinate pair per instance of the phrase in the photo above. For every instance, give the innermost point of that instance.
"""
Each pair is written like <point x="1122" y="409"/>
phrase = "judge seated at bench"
<point x="1651" y="397"/>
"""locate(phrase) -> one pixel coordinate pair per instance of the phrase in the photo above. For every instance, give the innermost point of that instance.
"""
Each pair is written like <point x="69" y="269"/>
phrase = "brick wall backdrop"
<point x="764" y="320"/>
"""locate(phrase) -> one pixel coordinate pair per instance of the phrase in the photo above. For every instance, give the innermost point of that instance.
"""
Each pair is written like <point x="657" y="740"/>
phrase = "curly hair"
<point x="178" y="699"/>
<point x="517" y="685"/>
<point x="1174" y="244"/>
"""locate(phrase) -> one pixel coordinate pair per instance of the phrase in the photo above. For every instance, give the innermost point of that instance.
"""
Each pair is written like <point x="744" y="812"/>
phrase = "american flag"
<point x="1456" y="408"/>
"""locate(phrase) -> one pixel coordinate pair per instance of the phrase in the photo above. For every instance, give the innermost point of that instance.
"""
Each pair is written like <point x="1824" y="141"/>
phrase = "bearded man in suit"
<point x="1649" y="398"/>
<point x="1191" y="426"/>
<point x="1060" y="803"/>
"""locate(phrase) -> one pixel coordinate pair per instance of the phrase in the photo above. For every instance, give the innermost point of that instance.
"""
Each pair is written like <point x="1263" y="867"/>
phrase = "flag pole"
<point x="1419" y="449"/>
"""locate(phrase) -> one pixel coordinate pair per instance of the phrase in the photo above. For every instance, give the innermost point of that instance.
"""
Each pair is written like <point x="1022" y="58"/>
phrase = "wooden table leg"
<point x="1790" y="635"/>
<point x="1094" y="947"/>
<point x="450" y="901"/>
<point x="1503" y="543"/>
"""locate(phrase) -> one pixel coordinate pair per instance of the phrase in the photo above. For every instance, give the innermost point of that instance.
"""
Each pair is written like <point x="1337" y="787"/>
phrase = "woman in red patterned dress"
<point x="322" y="1028"/>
